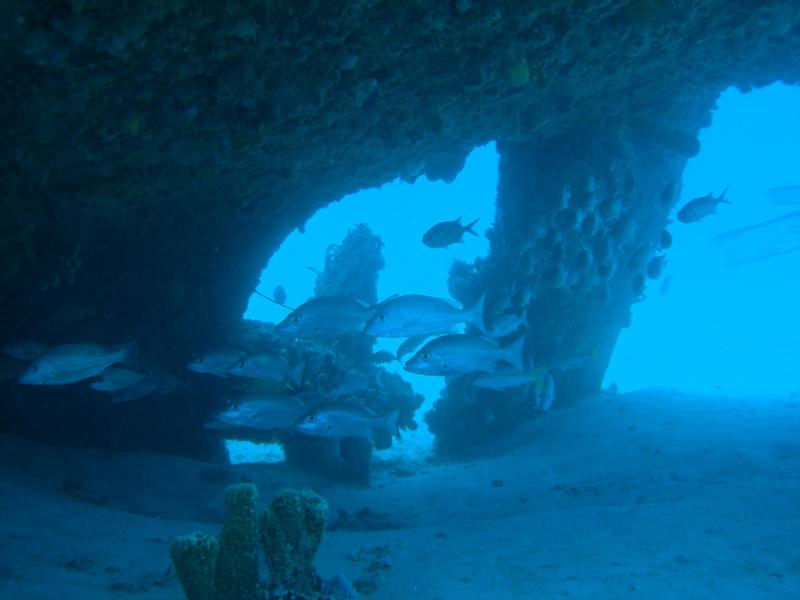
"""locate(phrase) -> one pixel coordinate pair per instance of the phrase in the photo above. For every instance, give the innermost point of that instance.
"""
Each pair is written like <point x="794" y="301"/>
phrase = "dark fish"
<point x="279" y="294"/>
<point x="155" y="383"/>
<point x="412" y="315"/>
<point x="326" y="316"/>
<point x="71" y="363"/>
<point x="342" y="420"/>
<point x="445" y="233"/>
<point x="460" y="354"/>
<point x="699" y="208"/>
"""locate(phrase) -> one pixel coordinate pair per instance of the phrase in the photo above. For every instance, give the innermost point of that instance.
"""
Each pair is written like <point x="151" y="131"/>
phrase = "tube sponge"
<point x="291" y="532"/>
<point x="237" y="565"/>
<point x="195" y="560"/>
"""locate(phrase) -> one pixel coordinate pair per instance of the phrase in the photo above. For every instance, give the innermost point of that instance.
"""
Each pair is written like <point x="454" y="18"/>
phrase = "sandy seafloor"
<point x="647" y="495"/>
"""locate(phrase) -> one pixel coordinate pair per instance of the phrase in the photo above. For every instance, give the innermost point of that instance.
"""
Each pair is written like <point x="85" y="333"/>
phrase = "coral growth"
<point x="225" y="567"/>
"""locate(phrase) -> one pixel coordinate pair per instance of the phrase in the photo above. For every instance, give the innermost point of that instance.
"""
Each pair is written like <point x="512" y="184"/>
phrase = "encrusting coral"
<point x="225" y="567"/>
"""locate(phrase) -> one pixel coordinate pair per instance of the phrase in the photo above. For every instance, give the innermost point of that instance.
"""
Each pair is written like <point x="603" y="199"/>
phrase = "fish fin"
<point x="297" y="374"/>
<point x="515" y="353"/>
<point x="722" y="197"/>
<point x="457" y="221"/>
<point x="476" y="312"/>
<point x="391" y="423"/>
<point x="468" y="227"/>
<point x="129" y="352"/>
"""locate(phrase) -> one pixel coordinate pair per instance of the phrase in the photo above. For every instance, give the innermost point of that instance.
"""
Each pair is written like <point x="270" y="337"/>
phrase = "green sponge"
<point x="237" y="565"/>
<point x="195" y="560"/>
<point x="291" y="532"/>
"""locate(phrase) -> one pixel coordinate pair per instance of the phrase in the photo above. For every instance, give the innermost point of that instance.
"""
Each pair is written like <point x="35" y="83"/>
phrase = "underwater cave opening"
<point x="399" y="213"/>
<point x="723" y="317"/>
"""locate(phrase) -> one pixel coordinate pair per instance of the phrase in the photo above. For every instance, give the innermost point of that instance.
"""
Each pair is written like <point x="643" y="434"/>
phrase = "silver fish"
<point x="445" y="233"/>
<point x="350" y="382"/>
<point x="268" y="367"/>
<point x="326" y="316"/>
<point x="411" y="344"/>
<point x="460" y="354"/>
<point x="699" y="208"/>
<point x="261" y="410"/>
<point x="216" y="362"/>
<point x="71" y="363"/>
<point x="114" y="379"/>
<point x="505" y="324"/>
<point x="27" y="350"/>
<point x="342" y="420"/>
<point x="154" y="383"/>
<point x="412" y="315"/>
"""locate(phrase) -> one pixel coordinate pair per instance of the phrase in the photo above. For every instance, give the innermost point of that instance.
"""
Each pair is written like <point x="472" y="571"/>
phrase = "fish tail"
<point x="515" y="353"/>
<point x="468" y="227"/>
<point x="297" y="374"/>
<point x="391" y="423"/>
<point x="128" y="351"/>
<point x="476" y="311"/>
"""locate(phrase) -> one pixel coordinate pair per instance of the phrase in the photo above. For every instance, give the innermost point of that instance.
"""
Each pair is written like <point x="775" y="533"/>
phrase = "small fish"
<point x="411" y="344"/>
<point x="351" y="382"/>
<point x="216" y="362"/>
<point x="27" y="350"/>
<point x="326" y="316"/>
<point x="504" y="380"/>
<point x="445" y="233"/>
<point x="382" y="357"/>
<point x="666" y="284"/>
<point x="505" y="324"/>
<point x="262" y="410"/>
<point x="268" y="367"/>
<point x="71" y="363"/>
<point x="155" y="383"/>
<point x="699" y="208"/>
<point x="342" y="421"/>
<point x="279" y="294"/>
<point x="460" y="354"/>
<point x="114" y="379"/>
<point x="413" y="315"/>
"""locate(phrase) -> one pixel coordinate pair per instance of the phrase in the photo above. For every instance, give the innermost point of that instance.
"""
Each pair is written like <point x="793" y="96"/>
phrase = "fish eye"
<point x="311" y="418"/>
<point x="382" y="317"/>
<point x="295" y="319"/>
<point x="426" y="356"/>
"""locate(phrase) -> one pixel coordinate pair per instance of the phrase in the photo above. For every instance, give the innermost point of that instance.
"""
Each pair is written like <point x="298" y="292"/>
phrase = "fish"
<point x="27" y="350"/>
<point x="71" y="363"/>
<point x="504" y="380"/>
<point x="116" y="378"/>
<point x="279" y="294"/>
<point x="505" y="324"/>
<point x="762" y="240"/>
<point x="446" y="233"/>
<point x="412" y="315"/>
<point x="155" y="383"/>
<point x="459" y="354"/>
<point x="409" y="345"/>
<point x="382" y="357"/>
<point x="351" y="382"/>
<point x="339" y="420"/>
<point x="699" y="208"/>
<point x="216" y="362"/>
<point x="260" y="410"/>
<point x="268" y="367"/>
<point x="784" y="194"/>
<point x="326" y="316"/>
